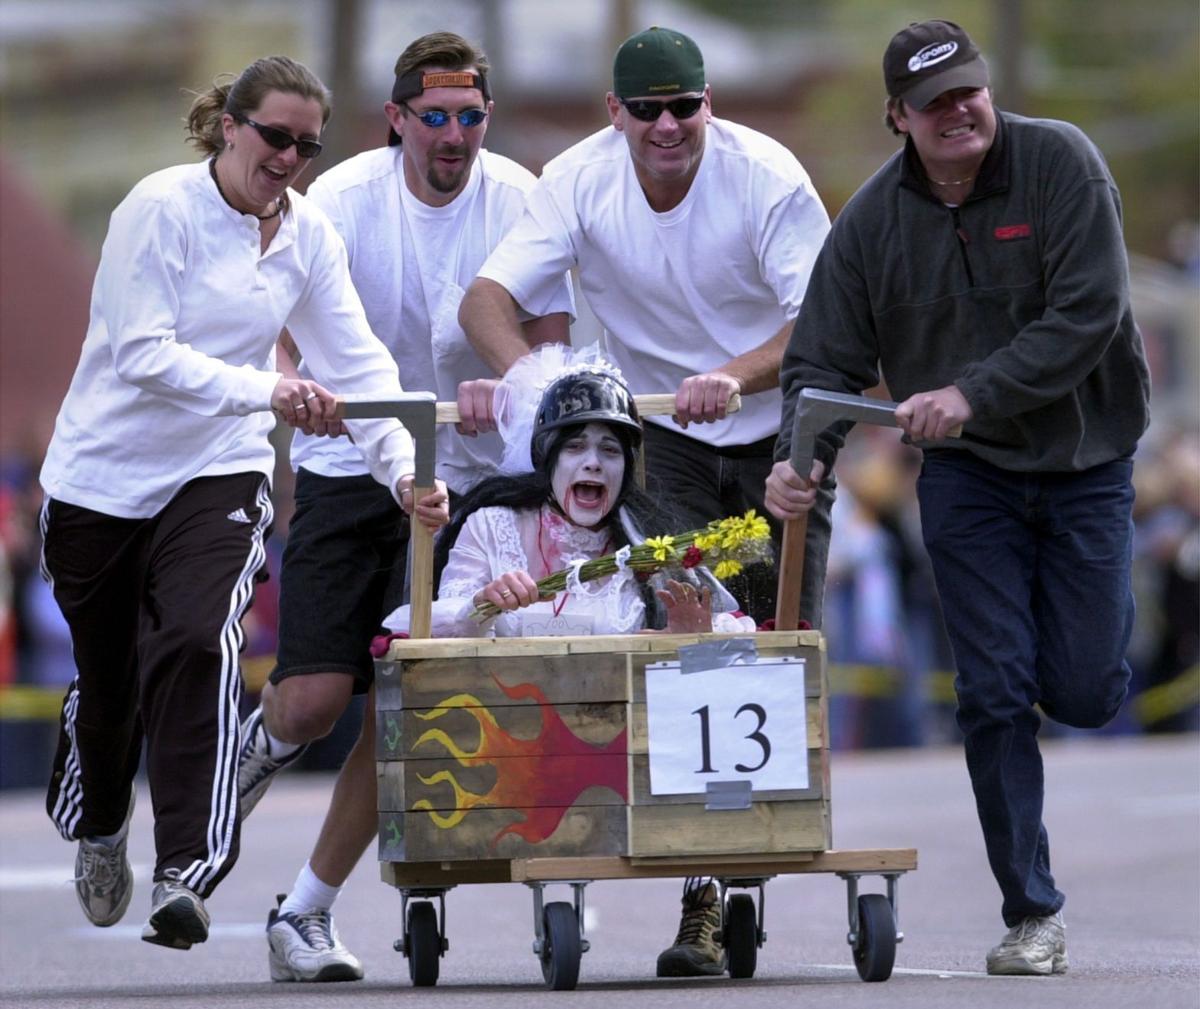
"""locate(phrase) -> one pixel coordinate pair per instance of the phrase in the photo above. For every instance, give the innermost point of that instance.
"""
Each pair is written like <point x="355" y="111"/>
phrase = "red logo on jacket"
<point x="1010" y="231"/>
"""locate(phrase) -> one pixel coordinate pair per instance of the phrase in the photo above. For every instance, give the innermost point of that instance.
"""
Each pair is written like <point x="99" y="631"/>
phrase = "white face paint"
<point x="588" y="474"/>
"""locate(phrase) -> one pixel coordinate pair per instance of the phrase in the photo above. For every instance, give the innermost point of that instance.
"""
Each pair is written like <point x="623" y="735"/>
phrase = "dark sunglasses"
<point x="648" y="110"/>
<point x="436" y="118"/>
<point x="279" y="140"/>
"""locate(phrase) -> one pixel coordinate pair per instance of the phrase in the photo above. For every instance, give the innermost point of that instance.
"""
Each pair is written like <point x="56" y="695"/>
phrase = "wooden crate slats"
<point x="496" y="681"/>
<point x="398" y="732"/>
<point x="692" y="830"/>
<point x="444" y="786"/>
<point x="503" y="833"/>
<point x="405" y="649"/>
<point x="640" y="794"/>
<point x="496" y="751"/>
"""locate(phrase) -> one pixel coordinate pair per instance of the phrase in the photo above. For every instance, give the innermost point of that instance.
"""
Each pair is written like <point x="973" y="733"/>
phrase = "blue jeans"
<point x="1033" y="571"/>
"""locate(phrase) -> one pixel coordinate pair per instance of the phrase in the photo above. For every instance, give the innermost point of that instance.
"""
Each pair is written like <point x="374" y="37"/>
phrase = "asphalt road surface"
<point x="1124" y="822"/>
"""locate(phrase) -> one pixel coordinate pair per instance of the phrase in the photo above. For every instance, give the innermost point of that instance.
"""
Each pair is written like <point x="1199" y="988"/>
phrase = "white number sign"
<point x="744" y="722"/>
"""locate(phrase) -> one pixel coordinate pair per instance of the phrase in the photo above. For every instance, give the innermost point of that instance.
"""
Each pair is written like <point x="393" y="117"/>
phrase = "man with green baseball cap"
<point x="694" y="238"/>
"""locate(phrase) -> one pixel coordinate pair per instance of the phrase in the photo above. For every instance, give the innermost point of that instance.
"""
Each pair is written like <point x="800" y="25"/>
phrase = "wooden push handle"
<point x="653" y="404"/>
<point x="421" y="601"/>
<point x="791" y="572"/>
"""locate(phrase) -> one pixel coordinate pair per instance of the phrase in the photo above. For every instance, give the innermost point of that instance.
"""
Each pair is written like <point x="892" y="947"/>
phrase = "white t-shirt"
<point x="175" y="378"/>
<point x="682" y="292"/>
<point x="411" y="264"/>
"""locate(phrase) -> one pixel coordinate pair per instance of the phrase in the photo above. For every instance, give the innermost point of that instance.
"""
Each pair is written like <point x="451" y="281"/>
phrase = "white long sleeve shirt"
<point x="177" y="369"/>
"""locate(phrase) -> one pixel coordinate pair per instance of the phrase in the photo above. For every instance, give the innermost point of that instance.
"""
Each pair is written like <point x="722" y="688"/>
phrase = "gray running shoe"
<point x="103" y="878"/>
<point x="178" y="917"/>
<point x="698" y="949"/>
<point x="306" y="947"/>
<point x="1037" y="945"/>
<point x="256" y="767"/>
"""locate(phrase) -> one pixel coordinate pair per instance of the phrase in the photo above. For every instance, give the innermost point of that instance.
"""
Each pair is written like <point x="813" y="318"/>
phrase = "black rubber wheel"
<point x="423" y="943"/>
<point x="741" y="935"/>
<point x="875" y="951"/>
<point x="561" y="950"/>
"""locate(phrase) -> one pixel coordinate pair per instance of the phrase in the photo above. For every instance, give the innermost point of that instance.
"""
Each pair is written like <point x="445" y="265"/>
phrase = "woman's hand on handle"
<point x="302" y="403"/>
<point x="432" y="510"/>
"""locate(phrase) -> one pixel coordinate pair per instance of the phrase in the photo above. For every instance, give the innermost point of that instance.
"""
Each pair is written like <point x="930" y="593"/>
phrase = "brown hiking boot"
<point x="697" y="950"/>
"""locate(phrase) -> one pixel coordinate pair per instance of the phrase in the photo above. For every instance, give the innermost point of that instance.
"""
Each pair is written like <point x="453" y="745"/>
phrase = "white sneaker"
<point x="306" y="947"/>
<point x="1036" y="945"/>
<point x="103" y="878"/>
<point x="256" y="767"/>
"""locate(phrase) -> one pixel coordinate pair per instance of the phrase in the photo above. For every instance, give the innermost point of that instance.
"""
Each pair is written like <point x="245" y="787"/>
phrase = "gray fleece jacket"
<point x="1019" y="297"/>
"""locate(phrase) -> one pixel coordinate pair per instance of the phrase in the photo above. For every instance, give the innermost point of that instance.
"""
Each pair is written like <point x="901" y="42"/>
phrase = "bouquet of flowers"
<point x="725" y="546"/>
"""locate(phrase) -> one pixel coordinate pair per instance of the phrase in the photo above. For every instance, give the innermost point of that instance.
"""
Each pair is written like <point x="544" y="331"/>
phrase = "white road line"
<point x="924" y="972"/>
<point x="51" y="877"/>
<point x="229" y="930"/>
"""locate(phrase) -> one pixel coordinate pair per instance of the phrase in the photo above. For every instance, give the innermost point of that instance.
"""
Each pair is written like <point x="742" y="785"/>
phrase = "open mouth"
<point x="274" y="176"/>
<point x="588" y="494"/>
<point x="958" y="131"/>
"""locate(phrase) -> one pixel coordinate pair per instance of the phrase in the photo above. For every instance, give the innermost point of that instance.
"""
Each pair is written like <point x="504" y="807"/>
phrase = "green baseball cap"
<point x="658" y="61"/>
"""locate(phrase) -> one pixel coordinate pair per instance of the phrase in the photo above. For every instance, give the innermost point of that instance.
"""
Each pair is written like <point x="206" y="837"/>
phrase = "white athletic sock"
<point x="277" y="748"/>
<point x="309" y="894"/>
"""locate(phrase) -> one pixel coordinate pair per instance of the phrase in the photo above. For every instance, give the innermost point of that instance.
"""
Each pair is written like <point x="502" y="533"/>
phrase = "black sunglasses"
<point x="437" y="118"/>
<point x="280" y="140"/>
<point x="648" y="110"/>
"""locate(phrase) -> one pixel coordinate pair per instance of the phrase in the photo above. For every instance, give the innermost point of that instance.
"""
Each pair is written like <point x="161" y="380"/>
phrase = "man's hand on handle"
<point x="789" y="495"/>
<point x="475" y="406"/>
<point x="704" y="398"/>
<point x="931" y="416"/>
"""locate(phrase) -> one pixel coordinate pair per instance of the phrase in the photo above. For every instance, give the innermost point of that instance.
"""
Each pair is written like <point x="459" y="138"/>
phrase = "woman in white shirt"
<point x="157" y="479"/>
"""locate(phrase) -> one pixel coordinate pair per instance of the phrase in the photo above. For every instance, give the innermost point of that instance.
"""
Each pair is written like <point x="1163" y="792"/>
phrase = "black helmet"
<point x="582" y="397"/>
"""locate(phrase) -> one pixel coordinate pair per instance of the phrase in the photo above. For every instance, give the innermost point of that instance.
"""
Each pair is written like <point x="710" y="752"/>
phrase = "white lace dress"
<point x="494" y="541"/>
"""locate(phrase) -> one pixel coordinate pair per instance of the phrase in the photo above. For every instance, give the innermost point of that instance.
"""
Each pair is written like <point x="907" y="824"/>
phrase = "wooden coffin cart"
<point x="565" y="760"/>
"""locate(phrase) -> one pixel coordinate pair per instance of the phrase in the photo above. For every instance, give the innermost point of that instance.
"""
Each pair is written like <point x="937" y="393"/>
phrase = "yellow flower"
<point x="757" y="527"/>
<point x="727" y="569"/>
<point x="707" y="541"/>
<point x="663" y="547"/>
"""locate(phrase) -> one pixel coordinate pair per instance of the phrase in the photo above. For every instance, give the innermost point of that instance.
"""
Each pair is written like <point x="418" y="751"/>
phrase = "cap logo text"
<point x="932" y="54"/>
<point x="448" y="79"/>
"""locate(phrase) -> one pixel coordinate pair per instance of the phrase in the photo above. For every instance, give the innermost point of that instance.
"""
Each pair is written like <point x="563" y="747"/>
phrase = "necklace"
<point x="279" y="203"/>
<point x="952" y="182"/>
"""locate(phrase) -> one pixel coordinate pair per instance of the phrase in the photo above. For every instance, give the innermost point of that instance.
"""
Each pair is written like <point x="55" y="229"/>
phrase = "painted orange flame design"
<point x="558" y="768"/>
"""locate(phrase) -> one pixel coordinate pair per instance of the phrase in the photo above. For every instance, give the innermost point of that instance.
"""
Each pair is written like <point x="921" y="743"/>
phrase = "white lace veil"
<point x="519" y="394"/>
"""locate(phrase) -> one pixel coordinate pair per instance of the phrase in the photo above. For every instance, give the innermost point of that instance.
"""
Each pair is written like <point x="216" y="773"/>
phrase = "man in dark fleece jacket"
<point x="981" y="272"/>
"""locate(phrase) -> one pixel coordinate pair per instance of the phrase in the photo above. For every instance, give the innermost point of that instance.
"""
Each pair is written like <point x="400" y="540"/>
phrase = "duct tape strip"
<point x="717" y="654"/>
<point x="727" y="795"/>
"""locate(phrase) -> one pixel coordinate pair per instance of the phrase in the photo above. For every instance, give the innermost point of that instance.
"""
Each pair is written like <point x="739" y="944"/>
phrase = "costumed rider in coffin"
<point x="566" y="493"/>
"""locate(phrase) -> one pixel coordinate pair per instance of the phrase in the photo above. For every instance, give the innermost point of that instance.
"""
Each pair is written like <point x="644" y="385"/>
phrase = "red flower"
<point x="692" y="557"/>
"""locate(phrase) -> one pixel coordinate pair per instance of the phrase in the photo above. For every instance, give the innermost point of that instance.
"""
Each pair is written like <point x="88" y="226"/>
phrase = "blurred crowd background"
<point x="93" y="95"/>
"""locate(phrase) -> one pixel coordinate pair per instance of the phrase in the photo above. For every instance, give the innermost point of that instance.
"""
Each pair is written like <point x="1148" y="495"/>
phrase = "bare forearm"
<point x="287" y="354"/>
<point x="758" y="370"/>
<point x="554" y="328"/>
<point x="488" y="316"/>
